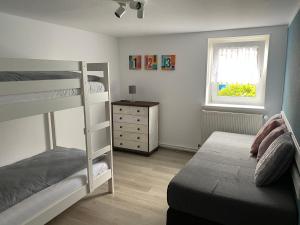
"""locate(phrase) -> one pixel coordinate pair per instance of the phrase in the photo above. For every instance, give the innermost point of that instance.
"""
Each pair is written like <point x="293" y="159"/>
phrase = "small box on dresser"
<point x="135" y="126"/>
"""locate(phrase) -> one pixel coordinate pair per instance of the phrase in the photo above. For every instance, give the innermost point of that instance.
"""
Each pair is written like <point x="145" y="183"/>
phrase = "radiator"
<point x="241" y="123"/>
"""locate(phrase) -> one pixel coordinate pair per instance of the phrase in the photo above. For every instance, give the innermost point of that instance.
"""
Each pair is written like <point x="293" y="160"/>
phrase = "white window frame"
<point x="211" y="99"/>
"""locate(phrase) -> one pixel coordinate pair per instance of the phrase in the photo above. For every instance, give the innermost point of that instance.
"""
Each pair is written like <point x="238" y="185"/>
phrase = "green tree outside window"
<point x="237" y="90"/>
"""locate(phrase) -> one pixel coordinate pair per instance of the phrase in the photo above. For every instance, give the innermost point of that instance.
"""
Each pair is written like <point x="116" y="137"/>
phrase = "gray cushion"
<point x="264" y="145"/>
<point x="263" y="132"/>
<point x="275" y="161"/>
<point x="217" y="184"/>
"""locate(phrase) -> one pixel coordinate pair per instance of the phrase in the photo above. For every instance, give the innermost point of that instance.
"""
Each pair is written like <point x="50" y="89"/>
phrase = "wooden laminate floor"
<point x="140" y="192"/>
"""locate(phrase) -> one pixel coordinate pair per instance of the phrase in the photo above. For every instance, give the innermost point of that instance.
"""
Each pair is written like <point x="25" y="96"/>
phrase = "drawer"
<point x="121" y="143"/>
<point x="130" y="110"/>
<point x="131" y="136"/>
<point x="130" y="119"/>
<point x="138" y="128"/>
<point x="138" y="111"/>
<point x="120" y="109"/>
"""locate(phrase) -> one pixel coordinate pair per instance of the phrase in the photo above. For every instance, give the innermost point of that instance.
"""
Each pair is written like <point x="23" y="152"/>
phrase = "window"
<point x="236" y="71"/>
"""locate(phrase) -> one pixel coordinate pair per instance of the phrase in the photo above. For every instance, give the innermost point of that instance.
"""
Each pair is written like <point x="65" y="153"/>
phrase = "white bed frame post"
<point x="52" y="129"/>
<point x="109" y="131"/>
<point x="87" y="125"/>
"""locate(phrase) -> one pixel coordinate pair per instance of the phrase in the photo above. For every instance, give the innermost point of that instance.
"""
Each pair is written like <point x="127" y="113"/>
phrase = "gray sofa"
<point x="217" y="187"/>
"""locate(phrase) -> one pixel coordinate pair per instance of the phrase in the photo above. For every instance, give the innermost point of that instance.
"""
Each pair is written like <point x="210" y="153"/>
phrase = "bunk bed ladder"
<point x="93" y="154"/>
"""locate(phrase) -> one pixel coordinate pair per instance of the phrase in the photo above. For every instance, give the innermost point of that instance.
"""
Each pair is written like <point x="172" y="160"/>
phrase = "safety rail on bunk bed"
<point x="49" y="106"/>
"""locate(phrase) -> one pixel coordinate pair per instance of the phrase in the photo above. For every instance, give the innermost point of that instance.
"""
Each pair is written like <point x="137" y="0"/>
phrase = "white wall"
<point x="182" y="92"/>
<point x="26" y="38"/>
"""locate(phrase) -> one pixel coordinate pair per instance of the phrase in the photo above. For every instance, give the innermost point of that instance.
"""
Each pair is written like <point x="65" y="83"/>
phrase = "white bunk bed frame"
<point x="48" y="107"/>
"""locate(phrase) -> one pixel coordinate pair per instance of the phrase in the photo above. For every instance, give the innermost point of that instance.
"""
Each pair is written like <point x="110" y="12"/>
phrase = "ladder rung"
<point x="95" y="73"/>
<point x="98" y="97"/>
<point x="101" y="179"/>
<point x="101" y="151"/>
<point x="100" y="126"/>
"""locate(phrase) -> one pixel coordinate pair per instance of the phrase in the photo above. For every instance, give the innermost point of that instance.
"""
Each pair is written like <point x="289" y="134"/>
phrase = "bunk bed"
<point x="30" y="87"/>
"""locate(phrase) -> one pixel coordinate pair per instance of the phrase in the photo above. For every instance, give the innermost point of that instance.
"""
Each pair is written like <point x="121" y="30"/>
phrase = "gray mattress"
<point x="95" y="85"/>
<point x="217" y="184"/>
<point x="29" y="176"/>
<point x="40" y="201"/>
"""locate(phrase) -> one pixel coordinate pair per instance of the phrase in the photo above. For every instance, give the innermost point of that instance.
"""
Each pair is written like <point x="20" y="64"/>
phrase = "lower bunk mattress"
<point x="41" y="184"/>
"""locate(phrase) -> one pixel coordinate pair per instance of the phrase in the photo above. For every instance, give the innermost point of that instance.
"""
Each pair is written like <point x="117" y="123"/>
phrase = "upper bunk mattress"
<point x="22" y="179"/>
<point x="94" y="82"/>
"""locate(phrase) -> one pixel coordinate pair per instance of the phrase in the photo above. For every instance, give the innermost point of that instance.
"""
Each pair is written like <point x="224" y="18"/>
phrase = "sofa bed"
<point x="217" y="187"/>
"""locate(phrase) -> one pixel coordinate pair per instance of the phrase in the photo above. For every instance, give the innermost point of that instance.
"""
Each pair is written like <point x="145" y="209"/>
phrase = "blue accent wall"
<point x="291" y="98"/>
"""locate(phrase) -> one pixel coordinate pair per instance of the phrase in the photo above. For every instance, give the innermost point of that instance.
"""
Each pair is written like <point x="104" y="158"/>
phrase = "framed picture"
<point x="168" y="62"/>
<point x="135" y="62"/>
<point x="150" y="62"/>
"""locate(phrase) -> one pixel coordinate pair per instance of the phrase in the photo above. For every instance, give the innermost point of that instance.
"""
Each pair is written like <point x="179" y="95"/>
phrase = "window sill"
<point x="235" y="108"/>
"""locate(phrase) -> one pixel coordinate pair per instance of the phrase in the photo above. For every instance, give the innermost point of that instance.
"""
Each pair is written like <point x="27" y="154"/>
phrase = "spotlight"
<point x="135" y="4"/>
<point x="140" y="12"/>
<point x="120" y="11"/>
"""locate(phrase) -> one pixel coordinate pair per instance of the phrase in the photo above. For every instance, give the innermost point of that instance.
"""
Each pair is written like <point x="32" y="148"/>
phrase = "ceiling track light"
<point x="137" y="5"/>
<point x="140" y="13"/>
<point x="120" y="10"/>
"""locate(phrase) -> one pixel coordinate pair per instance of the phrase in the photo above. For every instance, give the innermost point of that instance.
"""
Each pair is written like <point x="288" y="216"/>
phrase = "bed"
<point x="40" y="201"/>
<point x="217" y="187"/>
<point x="31" y="87"/>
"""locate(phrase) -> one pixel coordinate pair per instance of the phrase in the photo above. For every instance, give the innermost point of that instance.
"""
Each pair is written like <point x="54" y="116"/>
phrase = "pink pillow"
<point x="268" y="140"/>
<point x="263" y="132"/>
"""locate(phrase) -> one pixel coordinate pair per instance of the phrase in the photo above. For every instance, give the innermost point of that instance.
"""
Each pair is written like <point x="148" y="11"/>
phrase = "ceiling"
<point x="161" y="16"/>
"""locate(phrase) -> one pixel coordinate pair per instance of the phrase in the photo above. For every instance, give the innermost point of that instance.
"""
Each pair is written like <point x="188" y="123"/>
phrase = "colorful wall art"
<point x="168" y="62"/>
<point x="135" y="62"/>
<point x="150" y="62"/>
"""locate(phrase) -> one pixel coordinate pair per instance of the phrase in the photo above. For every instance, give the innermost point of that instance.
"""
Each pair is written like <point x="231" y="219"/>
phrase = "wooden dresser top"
<point x="135" y="103"/>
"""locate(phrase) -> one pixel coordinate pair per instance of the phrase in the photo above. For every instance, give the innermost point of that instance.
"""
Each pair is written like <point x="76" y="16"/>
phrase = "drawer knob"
<point x="120" y="109"/>
<point x="138" y="120"/>
<point x="121" y="127"/>
<point x="121" y="143"/>
<point x="120" y="118"/>
<point x="121" y="135"/>
<point x="138" y="128"/>
<point x="138" y="110"/>
<point x="138" y="138"/>
<point x="138" y="146"/>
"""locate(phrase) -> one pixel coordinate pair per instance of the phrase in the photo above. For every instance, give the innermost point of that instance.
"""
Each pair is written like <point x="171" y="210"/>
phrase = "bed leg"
<point x="111" y="186"/>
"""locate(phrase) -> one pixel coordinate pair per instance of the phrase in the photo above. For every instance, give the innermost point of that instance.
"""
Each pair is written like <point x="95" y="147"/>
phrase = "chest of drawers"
<point x="135" y="126"/>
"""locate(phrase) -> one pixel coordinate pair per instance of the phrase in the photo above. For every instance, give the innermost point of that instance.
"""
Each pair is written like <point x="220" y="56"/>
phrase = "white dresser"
<point x="135" y="126"/>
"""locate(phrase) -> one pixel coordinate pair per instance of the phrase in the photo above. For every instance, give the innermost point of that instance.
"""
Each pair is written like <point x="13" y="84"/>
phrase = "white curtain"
<point x="236" y="65"/>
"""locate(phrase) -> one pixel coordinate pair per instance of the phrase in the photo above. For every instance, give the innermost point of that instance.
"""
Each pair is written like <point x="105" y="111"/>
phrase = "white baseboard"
<point x="178" y="148"/>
